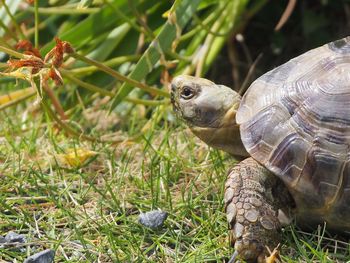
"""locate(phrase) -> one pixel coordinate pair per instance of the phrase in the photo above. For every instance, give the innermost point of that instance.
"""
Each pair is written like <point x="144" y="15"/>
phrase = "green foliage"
<point x="182" y="38"/>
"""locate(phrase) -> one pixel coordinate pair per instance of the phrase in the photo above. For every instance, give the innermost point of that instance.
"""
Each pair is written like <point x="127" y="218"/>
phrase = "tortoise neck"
<point x="225" y="137"/>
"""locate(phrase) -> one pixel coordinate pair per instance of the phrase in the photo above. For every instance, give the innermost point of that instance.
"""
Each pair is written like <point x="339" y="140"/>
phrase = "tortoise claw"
<point x="233" y="257"/>
<point x="273" y="255"/>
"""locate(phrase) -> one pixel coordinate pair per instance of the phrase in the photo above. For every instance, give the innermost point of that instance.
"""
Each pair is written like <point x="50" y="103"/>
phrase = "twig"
<point x="251" y="70"/>
<point x="286" y="14"/>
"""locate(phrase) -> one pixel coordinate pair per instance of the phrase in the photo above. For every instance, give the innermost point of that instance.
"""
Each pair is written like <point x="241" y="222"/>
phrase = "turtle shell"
<point x="295" y="120"/>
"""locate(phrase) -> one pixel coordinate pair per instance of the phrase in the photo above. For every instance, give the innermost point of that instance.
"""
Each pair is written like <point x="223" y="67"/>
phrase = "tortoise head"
<point x="209" y="110"/>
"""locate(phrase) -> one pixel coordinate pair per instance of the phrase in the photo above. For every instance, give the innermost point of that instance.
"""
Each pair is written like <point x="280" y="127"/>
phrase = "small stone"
<point x="2" y="240"/>
<point x="46" y="256"/>
<point x="153" y="219"/>
<point x="13" y="237"/>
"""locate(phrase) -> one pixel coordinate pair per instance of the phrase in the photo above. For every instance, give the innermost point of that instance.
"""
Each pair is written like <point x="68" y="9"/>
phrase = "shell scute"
<point x="290" y="157"/>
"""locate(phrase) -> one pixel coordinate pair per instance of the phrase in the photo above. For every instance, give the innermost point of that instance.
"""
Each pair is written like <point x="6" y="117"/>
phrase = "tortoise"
<point x="291" y="129"/>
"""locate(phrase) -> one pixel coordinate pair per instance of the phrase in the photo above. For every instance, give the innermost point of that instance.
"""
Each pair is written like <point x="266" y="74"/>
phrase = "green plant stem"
<point x="145" y="28"/>
<point x="55" y="102"/>
<point x="198" y="28"/>
<point x="3" y="42"/>
<point x="119" y="13"/>
<point x="121" y="77"/>
<point x="64" y="125"/>
<point x="12" y="52"/>
<point x="63" y="11"/>
<point x="8" y="31"/>
<point x="36" y="25"/>
<point x="108" y="93"/>
<point x="110" y="63"/>
<point x="209" y="40"/>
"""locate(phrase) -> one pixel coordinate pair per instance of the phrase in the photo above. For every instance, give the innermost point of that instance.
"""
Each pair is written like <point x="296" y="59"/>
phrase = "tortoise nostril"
<point x="173" y="87"/>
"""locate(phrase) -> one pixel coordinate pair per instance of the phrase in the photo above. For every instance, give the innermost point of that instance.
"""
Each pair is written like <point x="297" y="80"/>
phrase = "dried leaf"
<point x="15" y="95"/>
<point x="75" y="157"/>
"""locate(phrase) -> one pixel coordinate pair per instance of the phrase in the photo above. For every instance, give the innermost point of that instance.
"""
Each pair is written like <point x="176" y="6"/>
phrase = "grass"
<point x="89" y="213"/>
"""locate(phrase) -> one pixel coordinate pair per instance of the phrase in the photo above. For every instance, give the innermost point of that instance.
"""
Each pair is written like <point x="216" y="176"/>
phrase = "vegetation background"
<point x="88" y="139"/>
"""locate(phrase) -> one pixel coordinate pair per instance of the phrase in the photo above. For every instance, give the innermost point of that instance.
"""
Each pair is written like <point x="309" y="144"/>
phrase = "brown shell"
<point x="295" y="120"/>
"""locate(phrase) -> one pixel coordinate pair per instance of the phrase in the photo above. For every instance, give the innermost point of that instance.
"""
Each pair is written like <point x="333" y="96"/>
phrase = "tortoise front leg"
<point x="252" y="209"/>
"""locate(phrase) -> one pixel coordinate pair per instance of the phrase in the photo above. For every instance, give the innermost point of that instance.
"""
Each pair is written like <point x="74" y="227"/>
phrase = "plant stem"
<point x="12" y="52"/>
<point x="36" y="26"/>
<point x="55" y="102"/>
<point x="63" y="11"/>
<point x="208" y="42"/>
<point x="108" y="93"/>
<point x="64" y="125"/>
<point x="121" y="77"/>
<point x="110" y="63"/>
<point x="8" y="31"/>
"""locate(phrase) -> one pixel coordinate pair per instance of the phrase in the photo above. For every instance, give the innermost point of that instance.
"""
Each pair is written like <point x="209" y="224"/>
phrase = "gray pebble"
<point x="153" y="219"/>
<point x="2" y="240"/>
<point x="13" y="237"/>
<point x="46" y="256"/>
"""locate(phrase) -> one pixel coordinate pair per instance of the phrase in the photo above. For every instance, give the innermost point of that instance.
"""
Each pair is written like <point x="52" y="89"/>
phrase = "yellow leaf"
<point x="6" y="98"/>
<point x="75" y="157"/>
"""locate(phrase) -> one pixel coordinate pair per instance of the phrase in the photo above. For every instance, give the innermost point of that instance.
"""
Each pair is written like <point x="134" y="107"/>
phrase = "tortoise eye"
<point x="187" y="93"/>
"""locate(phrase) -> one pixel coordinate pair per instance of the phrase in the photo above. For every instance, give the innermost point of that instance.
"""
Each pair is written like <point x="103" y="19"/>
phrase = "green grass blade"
<point x="113" y="39"/>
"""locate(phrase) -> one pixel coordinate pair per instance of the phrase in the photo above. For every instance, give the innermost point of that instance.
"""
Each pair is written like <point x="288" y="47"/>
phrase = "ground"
<point x="87" y="210"/>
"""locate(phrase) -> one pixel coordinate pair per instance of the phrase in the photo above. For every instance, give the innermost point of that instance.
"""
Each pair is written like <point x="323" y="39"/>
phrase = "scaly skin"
<point x="252" y="210"/>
